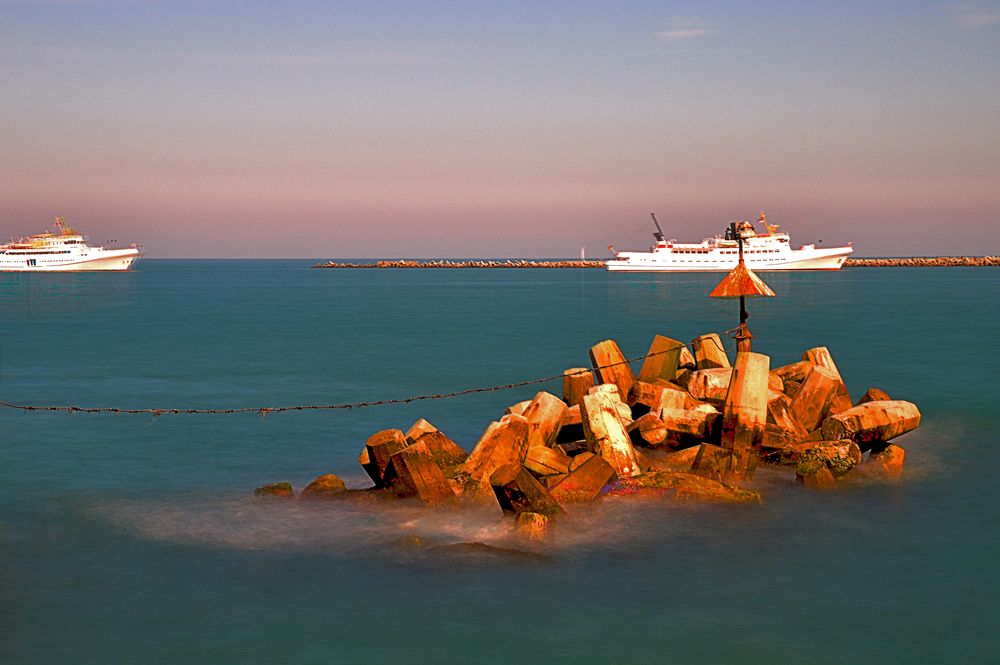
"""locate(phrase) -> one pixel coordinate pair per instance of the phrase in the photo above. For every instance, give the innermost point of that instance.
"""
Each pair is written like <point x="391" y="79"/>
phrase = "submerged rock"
<point x="890" y="461"/>
<point x="411" y="542"/>
<point x="884" y="465"/>
<point x="281" y="490"/>
<point x="327" y="486"/>
<point x="482" y="552"/>
<point x="815" y="475"/>
<point x="533" y="527"/>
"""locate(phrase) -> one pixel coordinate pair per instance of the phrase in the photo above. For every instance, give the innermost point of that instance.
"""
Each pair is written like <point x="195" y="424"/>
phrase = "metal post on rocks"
<point x="741" y="282"/>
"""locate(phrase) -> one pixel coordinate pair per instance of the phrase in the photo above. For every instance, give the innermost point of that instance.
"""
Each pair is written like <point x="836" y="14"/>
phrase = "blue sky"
<point x="499" y="129"/>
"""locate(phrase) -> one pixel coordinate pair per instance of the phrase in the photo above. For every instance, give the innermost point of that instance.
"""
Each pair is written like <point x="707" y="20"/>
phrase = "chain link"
<point x="265" y="410"/>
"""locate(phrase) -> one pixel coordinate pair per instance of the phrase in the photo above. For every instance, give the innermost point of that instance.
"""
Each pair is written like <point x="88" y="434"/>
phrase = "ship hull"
<point x="820" y="259"/>
<point x="105" y="260"/>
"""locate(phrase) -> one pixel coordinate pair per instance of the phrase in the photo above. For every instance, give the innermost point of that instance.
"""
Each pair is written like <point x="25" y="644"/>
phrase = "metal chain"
<point x="265" y="410"/>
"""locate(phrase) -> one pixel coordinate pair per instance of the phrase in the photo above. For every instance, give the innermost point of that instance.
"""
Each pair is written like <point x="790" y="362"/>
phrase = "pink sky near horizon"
<point x="252" y="141"/>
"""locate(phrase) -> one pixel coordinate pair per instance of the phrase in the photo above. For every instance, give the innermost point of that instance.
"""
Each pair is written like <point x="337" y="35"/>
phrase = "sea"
<point x="138" y="539"/>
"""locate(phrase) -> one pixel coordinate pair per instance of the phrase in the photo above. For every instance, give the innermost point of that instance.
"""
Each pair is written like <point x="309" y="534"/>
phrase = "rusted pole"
<point x="743" y="336"/>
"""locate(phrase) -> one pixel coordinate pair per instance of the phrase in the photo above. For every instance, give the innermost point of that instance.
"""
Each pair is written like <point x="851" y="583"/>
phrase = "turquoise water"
<point x="127" y="539"/>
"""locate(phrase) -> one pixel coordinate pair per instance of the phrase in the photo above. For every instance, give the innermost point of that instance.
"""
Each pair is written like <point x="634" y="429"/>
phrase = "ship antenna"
<point x="659" y="232"/>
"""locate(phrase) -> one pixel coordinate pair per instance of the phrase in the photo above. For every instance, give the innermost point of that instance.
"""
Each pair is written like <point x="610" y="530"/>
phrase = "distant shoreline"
<point x="896" y="262"/>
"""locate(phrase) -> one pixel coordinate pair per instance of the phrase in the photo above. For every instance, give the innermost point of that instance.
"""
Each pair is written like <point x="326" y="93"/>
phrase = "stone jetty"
<point x="479" y="263"/>
<point x="898" y="262"/>
<point x="926" y="262"/>
<point x="692" y="424"/>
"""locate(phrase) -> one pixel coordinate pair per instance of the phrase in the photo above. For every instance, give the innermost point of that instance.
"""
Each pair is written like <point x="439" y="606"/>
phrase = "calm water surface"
<point x="128" y="539"/>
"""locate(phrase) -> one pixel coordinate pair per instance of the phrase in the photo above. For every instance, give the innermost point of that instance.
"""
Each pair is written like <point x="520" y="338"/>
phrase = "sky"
<point x="499" y="129"/>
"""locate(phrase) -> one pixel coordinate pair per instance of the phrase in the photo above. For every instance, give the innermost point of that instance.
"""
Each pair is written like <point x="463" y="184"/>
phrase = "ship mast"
<point x="63" y="227"/>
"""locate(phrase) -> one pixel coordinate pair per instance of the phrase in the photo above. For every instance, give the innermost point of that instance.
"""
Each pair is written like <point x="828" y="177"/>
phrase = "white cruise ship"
<point x="63" y="250"/>
<point x="766" y="250"/>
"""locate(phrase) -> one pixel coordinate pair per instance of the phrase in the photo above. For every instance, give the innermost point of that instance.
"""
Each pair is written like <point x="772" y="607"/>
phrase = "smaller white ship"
<point x="769" y="249"/>
<point x="65" y="249"/>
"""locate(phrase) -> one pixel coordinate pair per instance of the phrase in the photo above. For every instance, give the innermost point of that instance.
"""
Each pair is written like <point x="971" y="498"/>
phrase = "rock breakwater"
<point x="925" y="262"/>
<point x="690" y="425"/>
<point x="897" y="262"/>
<point x="478" y="263"/>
